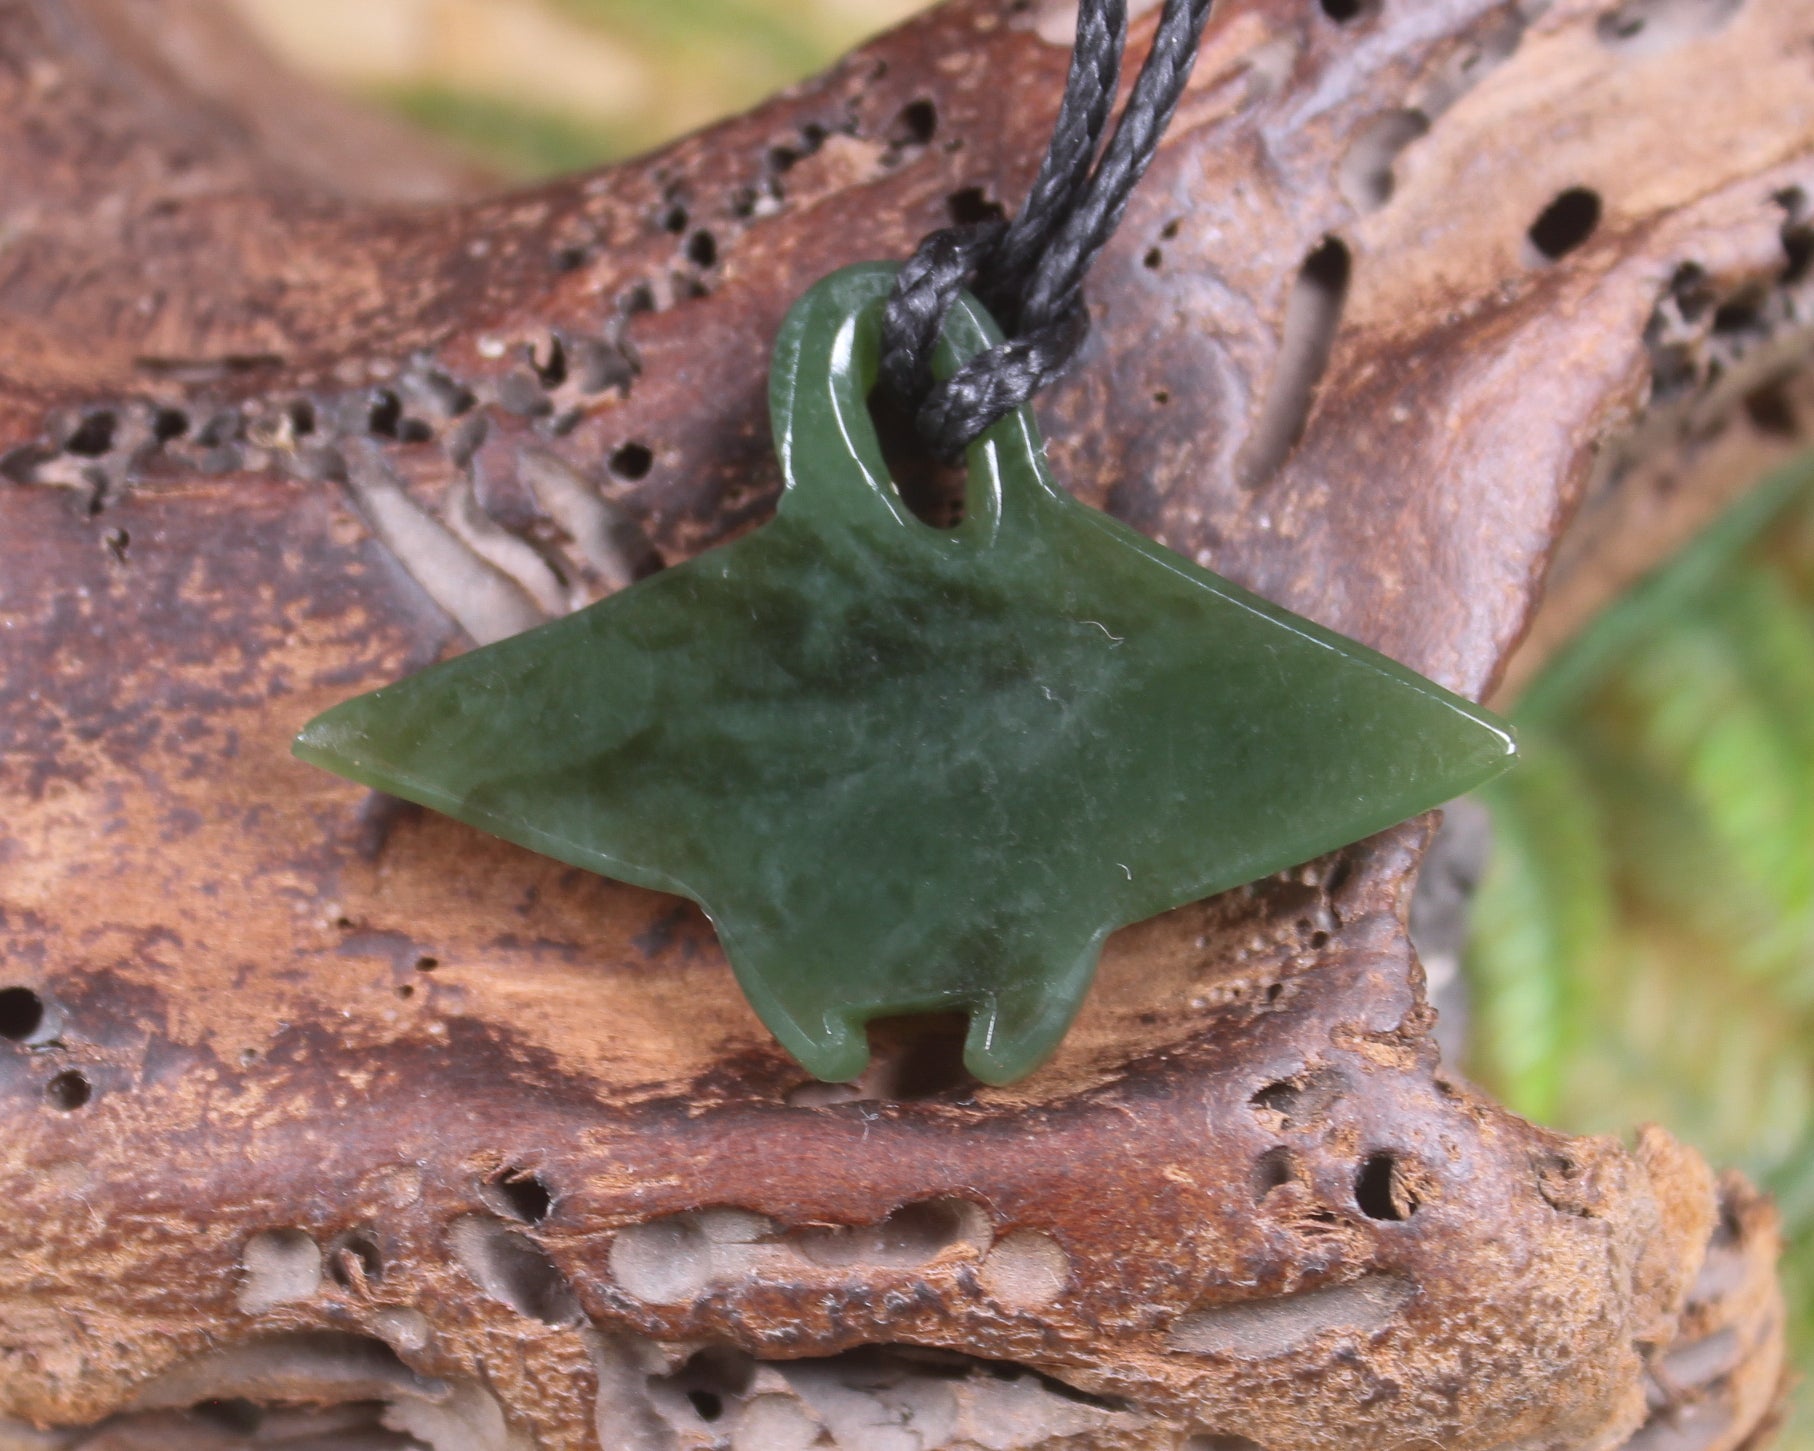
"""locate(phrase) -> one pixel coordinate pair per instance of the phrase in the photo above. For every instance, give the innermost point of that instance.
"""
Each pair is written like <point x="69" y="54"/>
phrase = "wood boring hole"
<point x="519" y="1194"/>
<point x="1566" y="223"/>
<point x="1312" y="313"/>
<point x="972" y="205"/>
<point x="713" y="1380"/>
<point x="69" y="1090"/>
<point x="1274" y="1169"/>
<point x="632" y="461"/>
<point x="514" y="1270"/>
<point x="917" y="123"/>
<point x="93" y="438"/>
<point x="1379" y="1189"/>
<point x="21" y="1014"/>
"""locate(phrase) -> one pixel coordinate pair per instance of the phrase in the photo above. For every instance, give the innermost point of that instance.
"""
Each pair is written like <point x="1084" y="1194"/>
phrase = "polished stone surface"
<point x="907" y="769"/>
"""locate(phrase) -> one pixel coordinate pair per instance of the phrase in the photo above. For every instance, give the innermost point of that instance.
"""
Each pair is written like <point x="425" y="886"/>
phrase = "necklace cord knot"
<point x="1029" y="272"/>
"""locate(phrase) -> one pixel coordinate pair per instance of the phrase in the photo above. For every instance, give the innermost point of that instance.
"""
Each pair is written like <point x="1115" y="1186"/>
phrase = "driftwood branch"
<point x="326" y="1117"/>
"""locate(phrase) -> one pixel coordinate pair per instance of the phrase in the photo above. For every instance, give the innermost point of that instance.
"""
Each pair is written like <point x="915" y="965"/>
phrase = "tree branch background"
<point x="1642" y="944"/>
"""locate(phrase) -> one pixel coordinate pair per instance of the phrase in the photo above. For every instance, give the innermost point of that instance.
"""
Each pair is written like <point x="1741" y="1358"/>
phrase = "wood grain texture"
<point x="464" y="1148"/>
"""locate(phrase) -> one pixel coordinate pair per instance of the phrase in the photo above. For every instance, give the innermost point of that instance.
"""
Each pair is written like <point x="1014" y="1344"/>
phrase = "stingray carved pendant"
<point x="907" y="769"/>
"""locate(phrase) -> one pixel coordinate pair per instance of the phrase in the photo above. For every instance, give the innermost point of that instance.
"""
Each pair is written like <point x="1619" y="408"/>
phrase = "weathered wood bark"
<point x="312" y="1101"/>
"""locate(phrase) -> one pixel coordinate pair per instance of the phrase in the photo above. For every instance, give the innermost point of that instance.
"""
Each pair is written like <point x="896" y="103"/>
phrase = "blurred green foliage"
<point x="701" y="58"/>
<point x="763" y="34"/>
<point x="1644" y="939"/>
<point x="516" y="140"/>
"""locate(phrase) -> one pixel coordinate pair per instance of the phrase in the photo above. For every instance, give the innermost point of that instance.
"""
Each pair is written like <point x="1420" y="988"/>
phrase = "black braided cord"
<point x="1030" y="273"/>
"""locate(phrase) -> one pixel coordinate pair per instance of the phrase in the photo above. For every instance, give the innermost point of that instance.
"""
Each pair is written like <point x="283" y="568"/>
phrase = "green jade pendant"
<point x="907" y="769"/>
